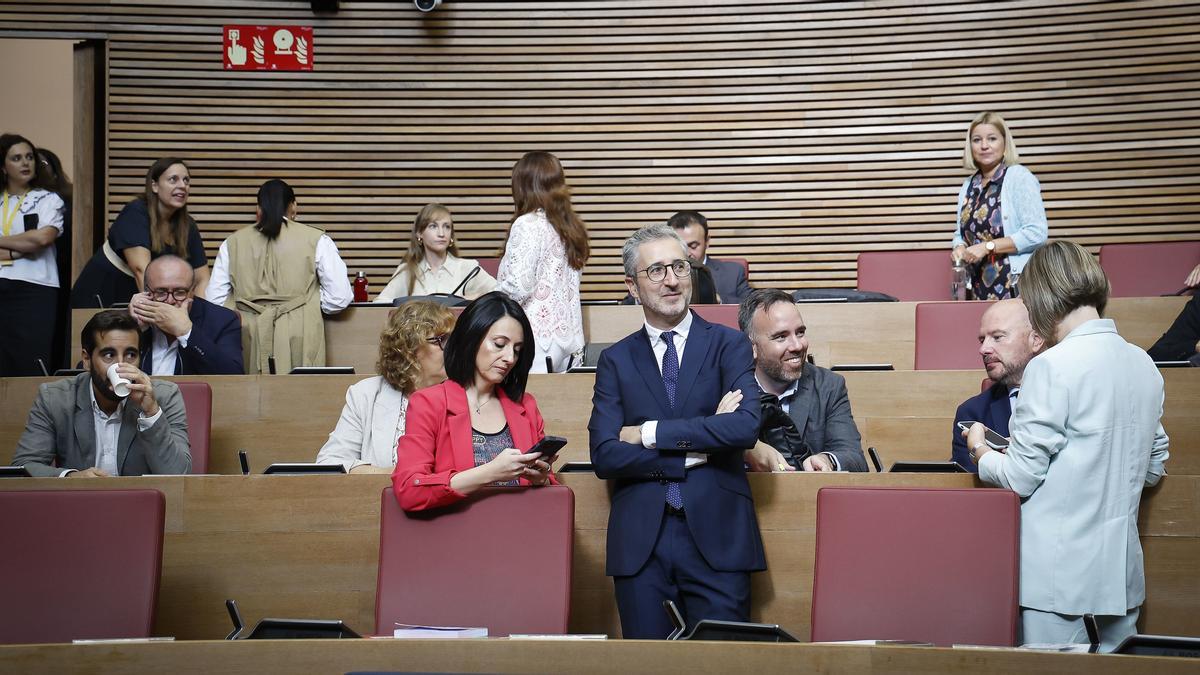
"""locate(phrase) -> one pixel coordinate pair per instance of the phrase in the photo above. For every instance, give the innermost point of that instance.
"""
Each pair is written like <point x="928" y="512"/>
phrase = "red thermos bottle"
<point x="360" y="287"/>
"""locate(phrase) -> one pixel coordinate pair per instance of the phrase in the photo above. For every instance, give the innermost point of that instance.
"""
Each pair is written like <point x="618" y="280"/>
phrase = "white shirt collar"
<point x="96" y="406"/>
<point x="787" y="393"/>
<point x="681" y="329"/>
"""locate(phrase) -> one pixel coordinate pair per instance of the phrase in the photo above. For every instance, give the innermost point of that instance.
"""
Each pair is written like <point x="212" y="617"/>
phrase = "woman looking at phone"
<point x="476" y="428"/>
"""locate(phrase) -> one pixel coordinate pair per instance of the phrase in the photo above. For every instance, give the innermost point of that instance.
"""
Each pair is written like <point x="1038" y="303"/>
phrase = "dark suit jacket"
<point x="62" y="428"/>
<point x="993" y="408"/>
<point x="731" y="280"/>
<point x="437" y="443"/>
<point x="1179" y="342"/>
<point x="214" y="347"/>
<point x="821" y="411"/>
<point x="716" y="496"/>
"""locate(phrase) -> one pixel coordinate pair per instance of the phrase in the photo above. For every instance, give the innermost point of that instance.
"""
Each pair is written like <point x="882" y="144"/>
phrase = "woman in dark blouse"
<point x="476" y="428"/>
<point x="154" y="224"/>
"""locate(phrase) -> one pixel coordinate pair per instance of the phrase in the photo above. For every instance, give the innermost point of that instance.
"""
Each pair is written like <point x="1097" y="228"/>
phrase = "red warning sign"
<point x="268" y="48"/>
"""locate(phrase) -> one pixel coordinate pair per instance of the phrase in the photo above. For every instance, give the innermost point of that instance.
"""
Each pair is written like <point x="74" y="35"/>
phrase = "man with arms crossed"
<point x="674" y="406"/>
<point x="84" y="426"/>
<point x="1006" y="342"/>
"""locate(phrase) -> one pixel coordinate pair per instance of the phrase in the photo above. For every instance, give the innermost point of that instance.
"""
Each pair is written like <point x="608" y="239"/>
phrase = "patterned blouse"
<point x="980" y="222"/>
<point x="488" y="446"/>
<point x="534" y="271"/>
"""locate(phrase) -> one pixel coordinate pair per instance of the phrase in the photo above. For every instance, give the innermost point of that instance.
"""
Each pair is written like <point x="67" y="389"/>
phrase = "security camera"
<point x="427" y="5"/>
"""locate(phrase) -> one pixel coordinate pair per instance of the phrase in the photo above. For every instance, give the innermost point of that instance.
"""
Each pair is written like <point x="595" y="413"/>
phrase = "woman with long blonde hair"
<point x="543" y="259"/>
<point x="1001" y="219"/>
<point x="431" y="263"/>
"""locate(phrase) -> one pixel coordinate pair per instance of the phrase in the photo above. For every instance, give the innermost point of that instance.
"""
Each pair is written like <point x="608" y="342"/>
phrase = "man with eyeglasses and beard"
<point x="183" y="334"/>
<point x="674" y="406"/>
<point x="81" y="426"/>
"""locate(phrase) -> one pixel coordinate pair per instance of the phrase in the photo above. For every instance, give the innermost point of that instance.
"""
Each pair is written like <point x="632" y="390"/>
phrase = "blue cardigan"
<point x="1021" y="212"/>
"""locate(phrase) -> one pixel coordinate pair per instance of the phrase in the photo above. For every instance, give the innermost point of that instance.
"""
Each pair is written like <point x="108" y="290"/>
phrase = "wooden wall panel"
<point x="807" y="132"/>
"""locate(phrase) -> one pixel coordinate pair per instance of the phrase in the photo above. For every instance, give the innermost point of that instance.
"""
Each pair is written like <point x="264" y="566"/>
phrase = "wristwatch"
<point x="990" y="246"/>
<point x="975" y="448"/>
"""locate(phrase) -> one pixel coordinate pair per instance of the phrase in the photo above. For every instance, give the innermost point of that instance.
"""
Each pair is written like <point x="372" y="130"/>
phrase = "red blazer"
<point x="437" y="443"/>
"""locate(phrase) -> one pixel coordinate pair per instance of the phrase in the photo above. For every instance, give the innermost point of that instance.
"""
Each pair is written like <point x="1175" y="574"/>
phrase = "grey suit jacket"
<point x="821" y="411"/>
<point x="730" y="278"/>
<point x="61" y="427"/>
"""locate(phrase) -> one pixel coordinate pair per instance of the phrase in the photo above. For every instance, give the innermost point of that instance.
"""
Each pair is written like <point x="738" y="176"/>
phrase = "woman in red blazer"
<point x="474" y="429"/>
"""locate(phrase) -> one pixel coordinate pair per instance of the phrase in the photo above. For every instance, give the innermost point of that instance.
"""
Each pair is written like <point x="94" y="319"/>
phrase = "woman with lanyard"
<point x="1001" y="220"/>
<point x="31" y="218"/>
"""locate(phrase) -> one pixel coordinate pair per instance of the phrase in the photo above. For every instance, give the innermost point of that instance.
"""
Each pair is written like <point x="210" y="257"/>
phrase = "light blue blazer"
<point x="1086" y="437"/>
<point x="1021" y="212"/>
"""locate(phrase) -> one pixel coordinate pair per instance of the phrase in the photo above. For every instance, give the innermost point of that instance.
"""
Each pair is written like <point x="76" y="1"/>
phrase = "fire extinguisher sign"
<point x="267" y="48"/>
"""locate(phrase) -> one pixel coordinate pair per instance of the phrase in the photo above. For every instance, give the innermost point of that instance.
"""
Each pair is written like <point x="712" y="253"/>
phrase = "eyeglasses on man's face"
<point x="438" y="341"/>
<point x="658" y="271"/>
<point x="161" y="294"/>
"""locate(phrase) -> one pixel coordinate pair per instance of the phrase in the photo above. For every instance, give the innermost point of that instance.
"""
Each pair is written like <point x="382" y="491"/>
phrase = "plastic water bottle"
<point x="958" y="280"/>
<point x="360" y="287"/>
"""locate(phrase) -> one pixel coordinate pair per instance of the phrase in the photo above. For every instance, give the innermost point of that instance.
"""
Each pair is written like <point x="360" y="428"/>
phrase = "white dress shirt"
<point x="108" y="433"/>
<point x="164" y="352"/>
<point x="336" y="293"/>
<point x="649" y="429"/>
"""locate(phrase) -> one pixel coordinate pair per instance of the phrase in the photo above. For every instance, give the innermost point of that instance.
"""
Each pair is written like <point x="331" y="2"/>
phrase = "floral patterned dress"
<point x="979" y="222"/>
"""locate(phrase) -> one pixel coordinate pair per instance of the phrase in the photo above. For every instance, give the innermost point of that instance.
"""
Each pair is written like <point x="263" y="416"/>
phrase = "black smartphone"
<point x="244" y="461"/>
<point x="548" y="446"/>
<point x="994" y="440"/>
<point x="31" y="222"/>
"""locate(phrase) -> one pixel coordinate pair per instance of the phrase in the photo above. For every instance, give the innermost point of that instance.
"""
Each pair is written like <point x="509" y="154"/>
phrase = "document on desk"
<point x="404" y="630"/>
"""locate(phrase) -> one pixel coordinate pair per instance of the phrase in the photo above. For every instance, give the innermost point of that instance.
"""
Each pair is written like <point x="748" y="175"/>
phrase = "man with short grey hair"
<point x="822" y="435"/>
<point x="668" y="427"/>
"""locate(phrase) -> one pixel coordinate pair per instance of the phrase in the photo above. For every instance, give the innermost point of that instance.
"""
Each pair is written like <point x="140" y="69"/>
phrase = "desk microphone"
<point x="875" y="460"/>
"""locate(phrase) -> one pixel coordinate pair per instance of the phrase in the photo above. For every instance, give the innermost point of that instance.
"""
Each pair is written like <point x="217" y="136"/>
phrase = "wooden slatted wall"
<point x="807" y="132"/>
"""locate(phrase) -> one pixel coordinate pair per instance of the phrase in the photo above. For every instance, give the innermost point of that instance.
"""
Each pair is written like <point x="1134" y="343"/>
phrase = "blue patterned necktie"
<point x="670" y="375"/>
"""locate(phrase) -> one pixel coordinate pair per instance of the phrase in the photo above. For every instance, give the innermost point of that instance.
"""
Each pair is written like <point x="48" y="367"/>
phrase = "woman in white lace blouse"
<point x="543" y="257"/>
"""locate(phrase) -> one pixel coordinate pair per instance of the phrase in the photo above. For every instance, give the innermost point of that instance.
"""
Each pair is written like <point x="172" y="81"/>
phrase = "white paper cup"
<point x="120" y="384"/>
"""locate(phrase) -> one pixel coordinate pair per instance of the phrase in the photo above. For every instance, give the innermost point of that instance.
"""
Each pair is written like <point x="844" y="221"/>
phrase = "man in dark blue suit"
<point x="183" y="334"/>
<point x="728" y="275"/>
<point x="1006" y="342"/>
<point x="675" y="404"/>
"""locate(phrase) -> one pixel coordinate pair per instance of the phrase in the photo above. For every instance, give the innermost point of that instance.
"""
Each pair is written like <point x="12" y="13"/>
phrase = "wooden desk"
<point x="875" y="332"/>
<point x="307" y="546"/>
<point x="905" y="414"/>
<point x="334" y="657"/>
